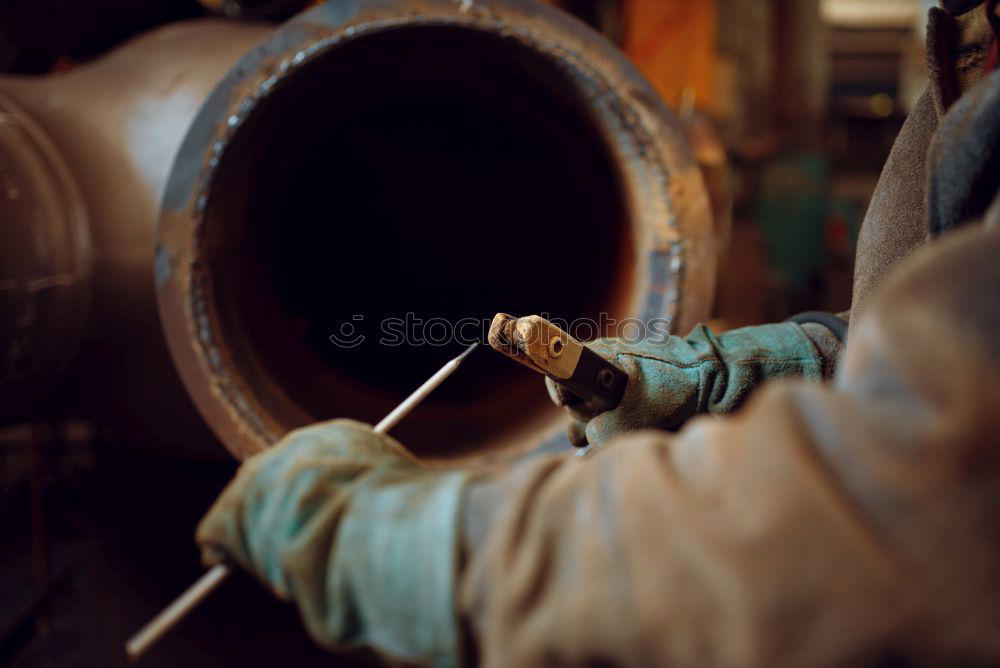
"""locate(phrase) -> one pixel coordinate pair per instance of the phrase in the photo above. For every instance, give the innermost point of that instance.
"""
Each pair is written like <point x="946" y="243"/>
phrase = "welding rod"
<point x="216" y="575"/>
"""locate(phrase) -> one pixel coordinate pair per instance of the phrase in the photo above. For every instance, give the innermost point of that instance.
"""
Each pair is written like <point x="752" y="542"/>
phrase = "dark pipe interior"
<point x="441" y="172"/>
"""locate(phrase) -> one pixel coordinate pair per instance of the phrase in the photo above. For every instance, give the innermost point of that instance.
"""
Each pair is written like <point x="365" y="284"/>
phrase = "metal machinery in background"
<point x="365" y="160"/>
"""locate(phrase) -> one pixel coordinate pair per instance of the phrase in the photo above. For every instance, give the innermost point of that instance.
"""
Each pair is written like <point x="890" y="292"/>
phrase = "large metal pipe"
<point x="372" y="158"/>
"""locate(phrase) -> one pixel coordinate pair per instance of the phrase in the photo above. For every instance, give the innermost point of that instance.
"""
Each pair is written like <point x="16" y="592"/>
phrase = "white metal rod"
<point x="174" y="612"/>
<point x="410" y="402"/>
<point x="157" y="627"/>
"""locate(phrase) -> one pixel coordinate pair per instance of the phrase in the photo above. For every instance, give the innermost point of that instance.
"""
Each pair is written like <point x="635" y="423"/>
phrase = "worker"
<point x="852" y="522"/>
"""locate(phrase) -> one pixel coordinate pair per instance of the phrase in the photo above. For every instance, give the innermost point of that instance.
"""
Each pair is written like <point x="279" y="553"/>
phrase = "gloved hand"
<point x="671" y="380"/>
<point x="337" y="518"/>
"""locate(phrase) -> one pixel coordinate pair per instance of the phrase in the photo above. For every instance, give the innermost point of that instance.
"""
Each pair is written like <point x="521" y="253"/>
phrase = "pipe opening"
<point x="426" y="173"/>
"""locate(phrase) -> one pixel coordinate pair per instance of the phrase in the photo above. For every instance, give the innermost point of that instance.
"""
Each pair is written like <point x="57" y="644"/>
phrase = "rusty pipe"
<point x="338" y="169"/>
<point x="353" y="141"/>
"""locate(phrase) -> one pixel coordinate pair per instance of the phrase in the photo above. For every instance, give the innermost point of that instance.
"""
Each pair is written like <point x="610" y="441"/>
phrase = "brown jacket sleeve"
<point x="820" y="526"/>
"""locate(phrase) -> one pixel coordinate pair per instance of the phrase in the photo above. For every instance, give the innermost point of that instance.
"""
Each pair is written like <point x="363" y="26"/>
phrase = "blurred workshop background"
<point x="790" y="106"/>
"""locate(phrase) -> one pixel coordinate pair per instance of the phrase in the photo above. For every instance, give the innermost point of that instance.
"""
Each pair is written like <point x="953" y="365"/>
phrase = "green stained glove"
<point x="363" y="538"/>
<point x="671" y="380"/>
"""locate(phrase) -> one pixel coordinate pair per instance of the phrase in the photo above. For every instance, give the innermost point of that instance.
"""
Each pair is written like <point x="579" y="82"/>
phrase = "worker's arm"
<point x="822" y="525"/>
<point x="730" y="544"/>
<point x="819" y="526"/>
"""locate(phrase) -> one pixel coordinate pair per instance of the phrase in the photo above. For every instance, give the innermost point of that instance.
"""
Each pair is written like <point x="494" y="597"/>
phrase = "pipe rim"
<point x="668" y="207"/>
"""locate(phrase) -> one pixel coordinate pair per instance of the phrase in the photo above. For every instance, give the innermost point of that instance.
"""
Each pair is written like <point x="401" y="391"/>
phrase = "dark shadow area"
<point x="96" y="539"/>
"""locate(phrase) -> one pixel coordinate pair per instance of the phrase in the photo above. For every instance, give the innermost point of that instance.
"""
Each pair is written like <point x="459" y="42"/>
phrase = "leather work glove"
<point x="336" y="517"/>
<point x="671" y="380"/>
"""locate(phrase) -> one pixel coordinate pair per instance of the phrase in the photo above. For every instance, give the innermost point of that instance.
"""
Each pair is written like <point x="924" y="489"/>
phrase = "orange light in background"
<point x="673" y="42"/>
